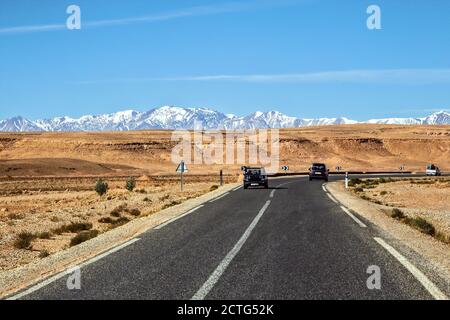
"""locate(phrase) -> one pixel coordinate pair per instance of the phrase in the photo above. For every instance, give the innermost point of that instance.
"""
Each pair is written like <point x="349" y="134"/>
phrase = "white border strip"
<point x="215" y="276"/>
<point x="351" y="215"/>
<point x="428" y="285"/>
<point x="219" y="197"/>
<point x="70" y="270"/>
<point x="176" y="218"/>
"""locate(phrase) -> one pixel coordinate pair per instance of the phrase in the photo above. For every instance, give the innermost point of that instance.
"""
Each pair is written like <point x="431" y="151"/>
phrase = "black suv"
<point x="318" y="171"/>
<point x="255" y="176"/>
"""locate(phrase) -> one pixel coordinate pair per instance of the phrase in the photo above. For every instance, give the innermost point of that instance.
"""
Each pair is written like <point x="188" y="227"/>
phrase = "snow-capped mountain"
<point x="168" y="117"/>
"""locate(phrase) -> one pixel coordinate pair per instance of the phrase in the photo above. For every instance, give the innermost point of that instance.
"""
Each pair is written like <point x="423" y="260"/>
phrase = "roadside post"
<point x="402" y="168"/>
<point x="181" y="169"/>
<point x="285" y="168"/>
<point x="221" y="178"/>
<point x="346" y="180"/>
<point x="338" y="168"/>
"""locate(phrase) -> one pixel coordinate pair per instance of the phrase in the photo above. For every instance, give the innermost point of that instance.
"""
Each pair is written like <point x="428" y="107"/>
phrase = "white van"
<point x="433" y="170"/>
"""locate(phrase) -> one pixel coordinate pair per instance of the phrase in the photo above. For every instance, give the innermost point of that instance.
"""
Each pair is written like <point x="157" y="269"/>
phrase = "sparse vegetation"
<point x="214" y="187"/>
<point x="43" y="254"/>
<point x="397" y="214"/>
<point x="130" y="184"/>
<point x="101" y="187"/>
<point x="135" y="212"/>
<point x="23" y="240"/>
<point x="422" y="225"/>
<point x="73" y="228"/>
<point x="15" y="216"/>
<point x="44" y="235"/>
<point x="383" y="193"/>
<point x="83" y="236"/>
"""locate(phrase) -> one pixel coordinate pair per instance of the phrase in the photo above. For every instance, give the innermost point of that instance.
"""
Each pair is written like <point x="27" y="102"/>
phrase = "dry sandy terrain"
<point x="353" y="147"/>
<point x="47" y="179"/>
<point x="427" y="198"/>
<point x="40" y="210"/>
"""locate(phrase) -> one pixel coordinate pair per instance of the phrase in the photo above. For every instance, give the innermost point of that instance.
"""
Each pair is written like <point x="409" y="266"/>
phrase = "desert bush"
<point x="23" y="240"/>
<point x="359" y="189"/>
<point x="101" y="187"/>
<point x="135" y="212"/>
<point x="43" y="254"/>
<point x="74" y="227"/>
<point x="147" y="199"/>
<point x="354" y="181"/>
<point x="83" y="236"/>
<point x="397" y="214"/>
<point x="106" y="220"/>
<point x="422" y="225"/>
<point x="120" y="222"/>
<point x="15" y="216"/>
<point x="115" y="213"/>
<point x="44" y="235"/>
<point x="442" y="237"/>
<point x="130" y="184"/>
<point x="383" y="193"/>
<point x="214" y="187"/>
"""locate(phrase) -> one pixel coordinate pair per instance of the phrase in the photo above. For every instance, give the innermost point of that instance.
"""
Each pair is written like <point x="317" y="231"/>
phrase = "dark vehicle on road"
<point x="318" y="171"/>
<point x="255" y="177"/>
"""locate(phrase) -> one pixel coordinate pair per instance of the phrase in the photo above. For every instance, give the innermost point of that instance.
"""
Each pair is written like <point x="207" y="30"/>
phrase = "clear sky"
<point x="305" y="58"/>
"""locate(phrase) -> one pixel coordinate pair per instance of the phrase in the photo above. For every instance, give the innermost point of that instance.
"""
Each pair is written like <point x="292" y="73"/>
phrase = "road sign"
<point x="338" y="168"/>
<point x="285" y="168"/>
<point x="182" y="167"/>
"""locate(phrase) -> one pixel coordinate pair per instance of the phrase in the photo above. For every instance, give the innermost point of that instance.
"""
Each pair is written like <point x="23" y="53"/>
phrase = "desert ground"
<point x="422" y="203"/>
<point x="47" y="180"/>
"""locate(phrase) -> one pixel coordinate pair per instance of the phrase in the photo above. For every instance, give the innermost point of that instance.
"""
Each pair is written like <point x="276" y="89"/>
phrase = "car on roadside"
<point x="318" y="171"/>
<point x="255" y="177"/>
<point x="433" y="170"/>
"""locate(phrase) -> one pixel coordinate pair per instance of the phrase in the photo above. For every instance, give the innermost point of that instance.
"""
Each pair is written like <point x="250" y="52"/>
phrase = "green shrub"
<point x="73" y="227"/>
<point x="397" y="214"/>
<point x="135" y="212"/>
<point x="359" y="189"/>
<point x="115" y="213"/>
<point x="147" y="199"/>
<point x="130" y="184"/>
<point x="83" y="236"/>
<point x="120" y="222"/>
<point x="101" y="187"/>
<point x="105" y="220"/>
<point x="24" y="240"/>
<point x="43" y="254"/>
<point x="214" y="187"/>
<point x="422" y="225"/>
<point x="44" y="235"/>
<point x="383" y="193"/>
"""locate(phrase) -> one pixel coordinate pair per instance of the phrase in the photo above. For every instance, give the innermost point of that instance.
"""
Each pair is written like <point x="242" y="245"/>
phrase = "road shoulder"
<point x="424" y="250"/>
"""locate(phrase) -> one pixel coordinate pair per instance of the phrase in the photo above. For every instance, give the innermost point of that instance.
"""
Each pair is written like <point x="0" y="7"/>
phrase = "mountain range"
<point x="169" y="117"/>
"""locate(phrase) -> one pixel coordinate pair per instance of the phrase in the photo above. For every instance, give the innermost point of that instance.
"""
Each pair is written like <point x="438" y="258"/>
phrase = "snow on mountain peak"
<point x="172" y="117"/>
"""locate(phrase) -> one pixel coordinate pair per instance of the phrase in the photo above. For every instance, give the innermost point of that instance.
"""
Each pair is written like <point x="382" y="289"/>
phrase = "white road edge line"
<point x="351" y="215"/>
<point x="219" y="197"/>
<point x="70" y="270"/>
<point x="332" y="198"/>
<point x="323" y="187"/>
<point x="237" y="188"/>
<point x="215" y="276"/>
<point x="428" y="285"/>
<point x="272" y="193"/>
<point x="176" y="218"/>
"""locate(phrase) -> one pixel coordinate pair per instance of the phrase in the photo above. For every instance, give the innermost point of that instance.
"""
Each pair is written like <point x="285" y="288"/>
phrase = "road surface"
<point x="288" y="242"/>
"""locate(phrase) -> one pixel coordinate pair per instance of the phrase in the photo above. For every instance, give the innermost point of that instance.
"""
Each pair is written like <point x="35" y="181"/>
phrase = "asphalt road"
<point x="288" y="242"/>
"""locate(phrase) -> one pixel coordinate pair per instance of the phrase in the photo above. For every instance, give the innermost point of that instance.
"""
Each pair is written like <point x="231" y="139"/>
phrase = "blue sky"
<point x="305" y="58"/>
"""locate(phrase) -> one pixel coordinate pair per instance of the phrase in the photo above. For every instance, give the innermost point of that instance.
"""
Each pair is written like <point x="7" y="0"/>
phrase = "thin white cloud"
<point x="227" y="7"/>
<point x="388" y="76"/>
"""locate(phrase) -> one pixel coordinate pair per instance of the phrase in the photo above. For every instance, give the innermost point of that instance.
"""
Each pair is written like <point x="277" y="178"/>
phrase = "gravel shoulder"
<point x="19" y="278"/>
<point x="422" y="249"/>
